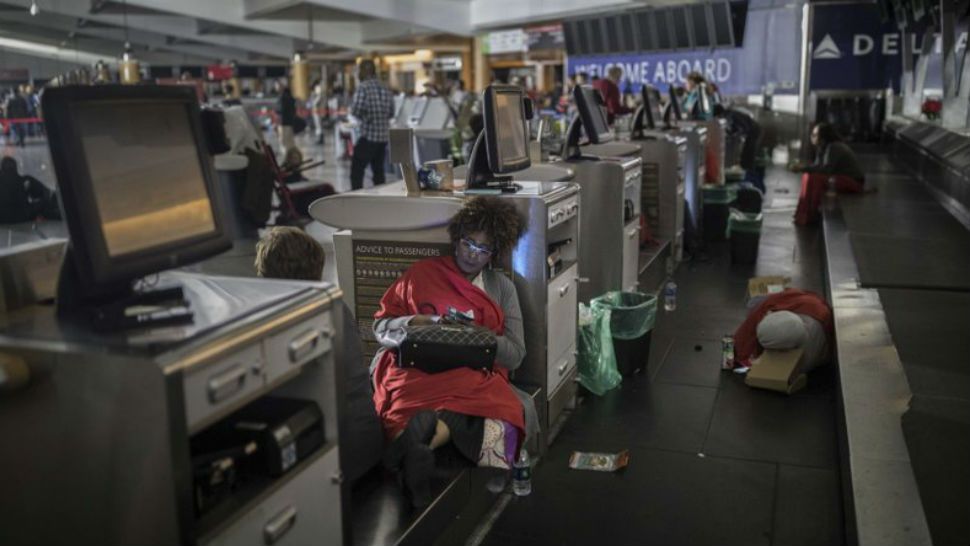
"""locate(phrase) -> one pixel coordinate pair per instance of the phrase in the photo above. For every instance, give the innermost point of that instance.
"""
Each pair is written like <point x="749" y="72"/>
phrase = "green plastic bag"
<point x="621" y="315"/>
<point x="719" y="195"/>
<point x="747" y="222"/>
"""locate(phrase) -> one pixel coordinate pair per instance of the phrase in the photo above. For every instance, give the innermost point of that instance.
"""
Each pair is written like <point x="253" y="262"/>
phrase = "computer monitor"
<point x="675" y="109"/>
<point x="652" y="108"/>
<point x="136" y="182"/>
<point x="649" y="115"/>
<point x="506" y="135"/>
<point x="592" y="114"/>
<point x="503" y="145"/>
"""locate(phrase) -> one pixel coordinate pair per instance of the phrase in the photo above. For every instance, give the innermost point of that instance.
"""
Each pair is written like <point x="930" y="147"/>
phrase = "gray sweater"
<point x="511" y="344"/>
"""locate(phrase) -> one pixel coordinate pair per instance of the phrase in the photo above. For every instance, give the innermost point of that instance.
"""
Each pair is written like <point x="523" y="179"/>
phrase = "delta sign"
<point x="853" y="50"/>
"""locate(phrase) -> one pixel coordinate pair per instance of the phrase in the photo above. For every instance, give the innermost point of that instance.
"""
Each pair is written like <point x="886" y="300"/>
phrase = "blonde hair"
<point x="289" y="253"/>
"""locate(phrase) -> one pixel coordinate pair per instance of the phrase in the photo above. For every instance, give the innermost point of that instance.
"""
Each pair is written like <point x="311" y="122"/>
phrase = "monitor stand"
<point x="480" y="179"/>
<point x="118" y="306"/>
<point x="571" y="149"/>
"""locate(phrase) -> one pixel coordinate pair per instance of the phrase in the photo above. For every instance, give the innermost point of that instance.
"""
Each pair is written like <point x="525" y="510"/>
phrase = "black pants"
<point x="367" y="151"/>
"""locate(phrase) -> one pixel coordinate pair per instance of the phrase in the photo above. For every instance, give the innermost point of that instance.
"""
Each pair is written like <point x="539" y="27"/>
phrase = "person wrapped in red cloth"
<point x="787" y="320"/>
<point x="834" y="162"/>
<point x="478" y="411"/>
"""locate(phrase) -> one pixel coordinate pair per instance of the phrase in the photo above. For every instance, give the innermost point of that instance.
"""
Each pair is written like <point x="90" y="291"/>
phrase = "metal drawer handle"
<point x="227" y="384"/>
<point x="563" y="366"/>
<point x="563" y="290"/>
<point x="304" y="344"/>
<point x="279" y="525"/>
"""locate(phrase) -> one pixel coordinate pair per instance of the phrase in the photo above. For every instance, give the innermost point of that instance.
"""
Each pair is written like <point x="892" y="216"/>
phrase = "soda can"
<point x="727" y="352"/>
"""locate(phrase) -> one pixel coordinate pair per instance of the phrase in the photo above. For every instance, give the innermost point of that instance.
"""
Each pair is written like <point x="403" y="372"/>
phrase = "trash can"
<point x="614" y="338"/>
<point x="749" y="198"/>
<point x="717" y="199"/>
<point x="744" y="230"/>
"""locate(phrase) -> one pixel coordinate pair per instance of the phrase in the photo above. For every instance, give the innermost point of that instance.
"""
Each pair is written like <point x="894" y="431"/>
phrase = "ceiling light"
<point x="33" y="7"/>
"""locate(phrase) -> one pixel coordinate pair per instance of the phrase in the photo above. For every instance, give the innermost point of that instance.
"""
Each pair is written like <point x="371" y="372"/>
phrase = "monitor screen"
<point x="675" y="103"/>
<point x="652" y="108"/>
<point x="699" y="26"/>
<point x="146" y="179"/>
<point x="137" y="184"/>
<point x="506" y="139"/>
<point x="592" y="114"/>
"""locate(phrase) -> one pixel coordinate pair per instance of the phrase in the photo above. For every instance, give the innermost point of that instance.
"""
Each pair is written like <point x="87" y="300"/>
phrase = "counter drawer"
<point x="290" y="349"/>
<point x="561" y="312"/>
<point x="559" y="368"/>
<point x="306" y="510"/>
<point x="214" y="389"/>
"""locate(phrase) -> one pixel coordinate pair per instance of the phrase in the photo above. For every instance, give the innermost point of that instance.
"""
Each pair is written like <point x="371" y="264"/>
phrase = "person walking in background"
<point x="317" y="104"/>
<point x="373" y="106"/>
<point x="286" y="111"/>
<point x="17" y="109"/>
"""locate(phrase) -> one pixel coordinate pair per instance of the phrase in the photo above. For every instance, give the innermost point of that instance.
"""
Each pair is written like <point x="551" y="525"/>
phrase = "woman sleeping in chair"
<point x="480" y="412"/>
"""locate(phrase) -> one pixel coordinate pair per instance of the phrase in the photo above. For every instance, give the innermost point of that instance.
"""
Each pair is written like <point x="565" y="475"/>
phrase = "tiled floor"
<point x="712" y="461"/>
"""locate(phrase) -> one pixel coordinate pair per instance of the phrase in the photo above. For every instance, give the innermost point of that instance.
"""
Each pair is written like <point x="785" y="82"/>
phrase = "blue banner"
<point x="853" y="49"/>
<point x="769" y="57"/>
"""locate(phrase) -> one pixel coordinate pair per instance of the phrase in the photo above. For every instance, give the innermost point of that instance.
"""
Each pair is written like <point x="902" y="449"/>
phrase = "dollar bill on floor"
<point x="602" y="462"/>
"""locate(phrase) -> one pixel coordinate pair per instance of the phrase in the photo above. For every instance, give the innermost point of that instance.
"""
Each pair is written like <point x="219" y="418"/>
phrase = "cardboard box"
<point x="765" y="286"/>
<point x="776" y="371"/>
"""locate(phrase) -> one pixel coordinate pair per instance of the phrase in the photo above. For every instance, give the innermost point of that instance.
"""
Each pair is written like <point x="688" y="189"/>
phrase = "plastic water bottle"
<point x="522" y="474"/>
<point x="670" y="295"/>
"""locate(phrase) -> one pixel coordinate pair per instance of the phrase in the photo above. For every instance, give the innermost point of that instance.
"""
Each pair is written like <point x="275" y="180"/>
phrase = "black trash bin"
<point x="749" y="199"/>
<point x="717" y="202"/>
<point x="744" y="230"/>
<point x="632" y="316"/>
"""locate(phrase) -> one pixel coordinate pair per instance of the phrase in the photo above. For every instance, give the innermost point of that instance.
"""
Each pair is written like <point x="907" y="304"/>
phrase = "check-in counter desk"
<point x="384" y="231"/>
<point x="98" y="447"/>
<point x="663" y="189"/>
<point x="609" y="176"/>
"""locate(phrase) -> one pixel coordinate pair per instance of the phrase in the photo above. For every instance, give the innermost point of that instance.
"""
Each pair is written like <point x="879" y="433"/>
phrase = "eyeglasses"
<point x="475" y="248"/>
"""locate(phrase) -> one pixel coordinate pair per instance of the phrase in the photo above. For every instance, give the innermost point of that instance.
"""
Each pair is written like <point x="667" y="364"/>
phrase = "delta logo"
<point x="827" y="49"/>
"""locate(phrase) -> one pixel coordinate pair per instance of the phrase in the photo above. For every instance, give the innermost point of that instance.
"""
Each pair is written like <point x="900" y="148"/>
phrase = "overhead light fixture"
<point x="34" y="10"/>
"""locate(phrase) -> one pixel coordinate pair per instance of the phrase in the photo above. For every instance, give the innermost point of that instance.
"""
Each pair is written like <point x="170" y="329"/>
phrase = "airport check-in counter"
<point x="695" y="170"/>
<point x="664" y="157"/>
<point x="108" y="421"/>
<point x="609" y="250"/>
<point x="384" y="231"/>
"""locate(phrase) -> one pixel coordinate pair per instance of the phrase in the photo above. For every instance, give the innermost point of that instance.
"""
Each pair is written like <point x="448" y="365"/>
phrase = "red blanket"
<point x="746" y="346"/>
<point x="430" y="287"/>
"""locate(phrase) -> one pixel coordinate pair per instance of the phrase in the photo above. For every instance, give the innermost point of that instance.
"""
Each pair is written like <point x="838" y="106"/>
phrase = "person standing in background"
<point x="17" y="109"/>
<point x="286" y="112"/>
<point x="317" y="103"/>
<point x="373" y="105"/>
<point x="609" y="88"/>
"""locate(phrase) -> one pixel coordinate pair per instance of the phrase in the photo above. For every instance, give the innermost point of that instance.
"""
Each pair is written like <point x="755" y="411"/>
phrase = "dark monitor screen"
<point x="681" y="34"/>
<point x="664" y="27"/>
<point x="675" y="108"/>
<point x="652" y="109"/>
<point x="592" y="114"/>
<point x="506" y="137"/>
<point x="137" y="184"/>
<point x="646" y="34"/>
<point x="698" y="22"/>
<point x="721" y="15"/>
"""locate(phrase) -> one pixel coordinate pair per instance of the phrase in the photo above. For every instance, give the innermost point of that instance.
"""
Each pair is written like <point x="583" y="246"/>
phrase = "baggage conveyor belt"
<point x="914" y="257"/>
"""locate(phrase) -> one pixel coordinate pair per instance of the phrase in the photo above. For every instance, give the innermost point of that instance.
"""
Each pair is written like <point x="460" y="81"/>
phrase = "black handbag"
<point x="438" y="348"/>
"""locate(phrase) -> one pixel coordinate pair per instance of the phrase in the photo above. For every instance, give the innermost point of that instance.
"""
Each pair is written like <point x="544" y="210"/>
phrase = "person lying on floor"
<point x="290" y="253"/>
<point x="478" y="411"/>
<point x="835" y="162"/>
<point x="787" y="320"/>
